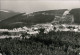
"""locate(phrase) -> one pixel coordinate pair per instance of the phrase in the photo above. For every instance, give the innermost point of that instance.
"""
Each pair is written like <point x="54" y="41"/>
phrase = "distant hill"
<point x="47" y="16"/>
<point x="4" y="14"/>
<point x="76" y="13"/>
<point x="25" y="20"/>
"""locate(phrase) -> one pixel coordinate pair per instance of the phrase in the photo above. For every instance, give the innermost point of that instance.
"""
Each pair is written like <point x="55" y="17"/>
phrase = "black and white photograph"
<point x="39" y="27"/>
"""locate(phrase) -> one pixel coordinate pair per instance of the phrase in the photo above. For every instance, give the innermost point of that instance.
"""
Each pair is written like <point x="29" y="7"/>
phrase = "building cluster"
<point x="16" y="32"/>
<point x="66" y="27"/>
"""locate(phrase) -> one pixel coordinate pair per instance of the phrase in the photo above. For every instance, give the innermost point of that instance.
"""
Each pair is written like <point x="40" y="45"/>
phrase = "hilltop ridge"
<point x="48" y="16"/>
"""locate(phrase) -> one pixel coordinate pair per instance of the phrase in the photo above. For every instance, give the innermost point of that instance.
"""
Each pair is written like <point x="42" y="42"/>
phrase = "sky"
<point x="30" y="6"/>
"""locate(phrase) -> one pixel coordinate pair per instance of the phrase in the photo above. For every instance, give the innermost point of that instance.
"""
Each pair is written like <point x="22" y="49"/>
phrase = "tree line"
<point x="52" y="43"/>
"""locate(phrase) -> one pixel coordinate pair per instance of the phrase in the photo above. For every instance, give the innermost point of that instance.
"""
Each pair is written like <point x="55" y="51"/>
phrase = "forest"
<point x="52" y="43"/>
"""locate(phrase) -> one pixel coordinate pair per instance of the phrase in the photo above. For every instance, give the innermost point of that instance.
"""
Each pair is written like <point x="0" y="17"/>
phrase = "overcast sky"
<point x="38" y="5"/>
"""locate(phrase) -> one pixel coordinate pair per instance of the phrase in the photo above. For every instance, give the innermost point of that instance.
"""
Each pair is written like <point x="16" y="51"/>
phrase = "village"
<point x="33" y="30"/>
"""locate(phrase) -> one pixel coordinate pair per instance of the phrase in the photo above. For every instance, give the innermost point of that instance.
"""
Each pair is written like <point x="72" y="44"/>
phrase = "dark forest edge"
<point x="52" y="43"/>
